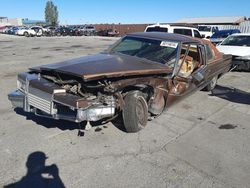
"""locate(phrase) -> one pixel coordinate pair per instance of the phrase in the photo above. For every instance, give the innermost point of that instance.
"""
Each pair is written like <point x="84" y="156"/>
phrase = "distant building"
<point x="4" y="21"/>
<point x="28" y="22"/>
<point x="224" y="22"/>
<point x="220" y="20"/>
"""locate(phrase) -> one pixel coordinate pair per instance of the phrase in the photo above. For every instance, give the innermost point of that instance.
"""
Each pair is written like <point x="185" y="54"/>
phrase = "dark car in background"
<point x="62" y="31"/>
<point x="220" y="35"/>
<point x="108" y="33"/>
<point x="68" y="31"/>
<point x="76" y="31"/>
<point x="12" y="30"/>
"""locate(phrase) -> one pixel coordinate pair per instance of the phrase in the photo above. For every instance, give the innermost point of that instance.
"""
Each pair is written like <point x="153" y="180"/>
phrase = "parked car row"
<point x="84" y="30"/>
<point x="229" y="41"/>
<point x="24" y="31"/>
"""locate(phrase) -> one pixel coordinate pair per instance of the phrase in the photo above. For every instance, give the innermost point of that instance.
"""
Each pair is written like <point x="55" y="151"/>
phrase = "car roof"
<point x="181" y="26"/>
<point x="165" y="36"/>
<point x="241" y="34"/>
<point x="227" y="30"/>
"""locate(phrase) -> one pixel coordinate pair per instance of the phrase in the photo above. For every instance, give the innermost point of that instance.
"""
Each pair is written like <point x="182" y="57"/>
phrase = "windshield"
<point x="164" y="52"/>
<point x="237" y="41"/>
<point x="204" y="28"/>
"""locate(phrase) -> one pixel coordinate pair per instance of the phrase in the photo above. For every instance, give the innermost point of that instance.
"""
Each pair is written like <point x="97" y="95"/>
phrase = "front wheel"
<point x="135" y="112"/>
<point x="26" y="34"/>
<point x="211" y="84"/>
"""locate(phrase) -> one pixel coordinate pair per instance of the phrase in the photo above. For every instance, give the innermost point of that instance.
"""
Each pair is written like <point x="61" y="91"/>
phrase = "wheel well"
<point x="146" y="89"/>
<point x="220" y="75"/>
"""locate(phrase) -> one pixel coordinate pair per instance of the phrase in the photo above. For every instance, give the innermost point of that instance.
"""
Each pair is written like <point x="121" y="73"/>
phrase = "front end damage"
<point x="59" y="99"/>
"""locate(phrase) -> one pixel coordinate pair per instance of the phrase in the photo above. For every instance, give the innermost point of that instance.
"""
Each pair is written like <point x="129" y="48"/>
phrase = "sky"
<point x="125" y="11"/>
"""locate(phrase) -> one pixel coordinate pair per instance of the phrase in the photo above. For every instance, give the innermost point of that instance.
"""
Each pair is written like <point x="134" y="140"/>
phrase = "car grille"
<point x="39" y="103"/>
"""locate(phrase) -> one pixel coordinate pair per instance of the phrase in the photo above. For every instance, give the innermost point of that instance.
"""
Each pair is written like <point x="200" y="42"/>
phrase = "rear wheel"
<point x="211" y="84"/>
<point x="135" y="112"/>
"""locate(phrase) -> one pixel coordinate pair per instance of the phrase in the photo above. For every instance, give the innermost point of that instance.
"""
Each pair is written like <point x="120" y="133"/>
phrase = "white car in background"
<point x="238" y="45"/>
<point x="207" y="31"/>
<point x="25" y="31"/>
<point x="40" y="30"/>
<point x="174" y="28"/>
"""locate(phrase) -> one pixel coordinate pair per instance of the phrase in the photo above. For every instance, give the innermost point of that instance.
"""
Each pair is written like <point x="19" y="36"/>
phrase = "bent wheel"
<point x="135" y="112"/>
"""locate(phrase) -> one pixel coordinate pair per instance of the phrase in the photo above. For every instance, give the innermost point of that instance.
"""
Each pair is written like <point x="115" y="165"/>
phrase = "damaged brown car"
<point x="138" y="77"/>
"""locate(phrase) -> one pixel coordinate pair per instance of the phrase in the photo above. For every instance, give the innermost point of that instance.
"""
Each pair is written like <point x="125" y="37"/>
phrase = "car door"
<point x="189" y="73"/>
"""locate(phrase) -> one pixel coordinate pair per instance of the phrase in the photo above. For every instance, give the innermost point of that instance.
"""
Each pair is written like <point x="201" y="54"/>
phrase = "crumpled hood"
<point x="99" y="66"/>
<point x="234" y="50"/>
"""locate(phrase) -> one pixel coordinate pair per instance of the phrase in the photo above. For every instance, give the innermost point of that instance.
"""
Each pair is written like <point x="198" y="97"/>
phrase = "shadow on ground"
<point x="231" y="94"/>
<point x="47" y="122"/>
<point x="68" y="125"/>
<point x="38" y="174"/>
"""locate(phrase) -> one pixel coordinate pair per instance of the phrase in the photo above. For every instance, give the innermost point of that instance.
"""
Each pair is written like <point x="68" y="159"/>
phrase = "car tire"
<point x="26" y="34"/>
<point x="135" y="112"/>
<point x="211" y="84"/>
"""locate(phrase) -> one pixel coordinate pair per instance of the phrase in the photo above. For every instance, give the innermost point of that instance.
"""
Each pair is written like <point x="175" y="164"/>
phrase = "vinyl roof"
<point x="213" y="20"/>
<point x="165" y="36"/>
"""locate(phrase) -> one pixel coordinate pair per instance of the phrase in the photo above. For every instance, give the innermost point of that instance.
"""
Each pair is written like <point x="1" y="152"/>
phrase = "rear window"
<point x="157" y="29"/>
<point x="187" y="32"/>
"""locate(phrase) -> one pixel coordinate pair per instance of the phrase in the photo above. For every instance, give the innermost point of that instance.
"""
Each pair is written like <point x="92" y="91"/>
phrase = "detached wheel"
<point x="211" y="84"/>
<point x="135" y="112"/>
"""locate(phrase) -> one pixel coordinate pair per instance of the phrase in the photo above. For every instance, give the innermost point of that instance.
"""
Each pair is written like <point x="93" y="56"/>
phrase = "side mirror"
<point x="202" y="36"/>
<point x="208" y="37"/>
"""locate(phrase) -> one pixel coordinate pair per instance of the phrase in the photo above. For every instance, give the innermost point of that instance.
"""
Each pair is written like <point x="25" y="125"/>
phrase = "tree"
<point x="51" y="13"/>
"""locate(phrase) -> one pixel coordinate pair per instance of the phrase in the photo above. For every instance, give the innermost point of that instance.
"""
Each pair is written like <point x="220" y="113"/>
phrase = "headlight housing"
<point x="21" y="82"/>
<point x="21" y="85"/>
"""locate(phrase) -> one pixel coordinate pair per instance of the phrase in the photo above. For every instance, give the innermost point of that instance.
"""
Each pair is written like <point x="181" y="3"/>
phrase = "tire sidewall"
<point x="131" y="120"/>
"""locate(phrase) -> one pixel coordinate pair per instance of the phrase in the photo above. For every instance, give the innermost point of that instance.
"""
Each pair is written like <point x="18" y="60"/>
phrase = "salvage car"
<point x="238" y="45"/>
<point x="138" y="77"/>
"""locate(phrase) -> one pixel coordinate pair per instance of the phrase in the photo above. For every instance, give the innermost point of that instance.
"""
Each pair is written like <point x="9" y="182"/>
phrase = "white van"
<point x="189" y="31"/>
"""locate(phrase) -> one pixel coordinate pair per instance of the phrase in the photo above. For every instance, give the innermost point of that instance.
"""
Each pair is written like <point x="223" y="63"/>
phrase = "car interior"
<point x="189" y="60"/>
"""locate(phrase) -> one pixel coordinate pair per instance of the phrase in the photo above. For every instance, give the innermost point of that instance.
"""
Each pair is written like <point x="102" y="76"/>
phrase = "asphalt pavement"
<point x="202" y="141"/>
